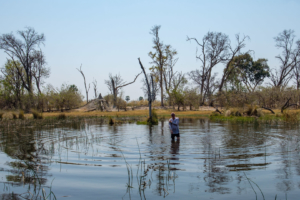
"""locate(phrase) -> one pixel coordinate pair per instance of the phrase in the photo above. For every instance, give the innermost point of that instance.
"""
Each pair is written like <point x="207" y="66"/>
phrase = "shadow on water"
<point x="86" y="158"/>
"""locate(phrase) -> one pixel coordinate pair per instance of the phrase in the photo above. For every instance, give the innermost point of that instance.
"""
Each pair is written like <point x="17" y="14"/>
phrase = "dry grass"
<point x="143" y="113"/>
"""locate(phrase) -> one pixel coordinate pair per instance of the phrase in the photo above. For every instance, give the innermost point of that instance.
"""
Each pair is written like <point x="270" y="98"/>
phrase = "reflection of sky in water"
<point x="85" y="161"/>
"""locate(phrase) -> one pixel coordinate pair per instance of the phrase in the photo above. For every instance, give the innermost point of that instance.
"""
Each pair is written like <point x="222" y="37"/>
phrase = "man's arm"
<point x="176" y="122"/>
<point x="170" y="126"/>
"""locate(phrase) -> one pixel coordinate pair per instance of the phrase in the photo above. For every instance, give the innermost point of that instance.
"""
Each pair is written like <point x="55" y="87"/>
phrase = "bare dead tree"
<point x="86" y="88"/>
<point x="213" y="50"/>
<point x="117" y="80"/>
<point x="150" y="92"/>
<point x="95" y="88"/>
<point x="288" y="59"/>
<point x="155" y="88"/>
<point x="232" y="52"/>
<point x="23" y="50"/>
<point x="39" y="70"/>
<point x="116" y="83"/>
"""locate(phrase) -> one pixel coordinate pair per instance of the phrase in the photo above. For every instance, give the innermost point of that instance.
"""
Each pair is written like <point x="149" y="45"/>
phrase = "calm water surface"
<point x="87" y="160"/>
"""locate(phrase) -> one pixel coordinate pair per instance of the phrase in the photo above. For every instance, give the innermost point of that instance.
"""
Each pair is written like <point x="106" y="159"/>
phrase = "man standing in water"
<point x="174" y="126"/>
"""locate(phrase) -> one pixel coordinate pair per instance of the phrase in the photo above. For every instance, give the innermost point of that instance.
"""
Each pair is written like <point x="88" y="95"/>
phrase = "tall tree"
<point x="213" y="51"/>
<point x="232" y="52"/>
<point x="12" y="80"/>
<point x="289" y="58"/>
<point x="249" y="72"/>
<point x="24" y="51"/>
<point x="150" y="86"/>
<point x="39" y="70"/>
<point x="160" y="57"/>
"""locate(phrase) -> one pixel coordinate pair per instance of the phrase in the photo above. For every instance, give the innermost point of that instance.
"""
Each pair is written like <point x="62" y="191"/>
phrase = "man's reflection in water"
<point x="174" y="149"/>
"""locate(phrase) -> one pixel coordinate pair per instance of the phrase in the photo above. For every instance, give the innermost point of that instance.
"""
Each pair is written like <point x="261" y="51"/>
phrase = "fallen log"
<point x="269" y="109"/>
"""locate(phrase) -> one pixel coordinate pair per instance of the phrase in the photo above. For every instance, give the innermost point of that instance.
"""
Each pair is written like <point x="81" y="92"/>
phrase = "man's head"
<point x="173" y="115"/>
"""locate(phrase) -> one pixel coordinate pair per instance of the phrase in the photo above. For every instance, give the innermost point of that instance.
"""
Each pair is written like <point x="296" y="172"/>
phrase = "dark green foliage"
<point x="247" y="71"/>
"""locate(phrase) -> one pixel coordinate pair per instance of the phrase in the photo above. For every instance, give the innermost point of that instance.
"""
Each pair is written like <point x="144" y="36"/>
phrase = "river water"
<point x="88" y="159"/>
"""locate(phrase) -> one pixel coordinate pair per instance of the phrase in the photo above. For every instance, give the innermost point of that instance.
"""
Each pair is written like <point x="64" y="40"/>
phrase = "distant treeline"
<point x="243" y="80"/>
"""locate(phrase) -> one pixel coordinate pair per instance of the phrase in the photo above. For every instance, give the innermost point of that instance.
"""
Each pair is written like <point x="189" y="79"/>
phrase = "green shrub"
<point x="36" y="114"/>
<point x="21" y="114"/>
<point x="62" y="116"/>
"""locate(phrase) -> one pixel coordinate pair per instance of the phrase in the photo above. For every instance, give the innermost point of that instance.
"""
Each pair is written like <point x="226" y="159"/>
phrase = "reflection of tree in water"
<point x="290" y="163"/>
<point x="32" y="152"/>
<point x="31" y="160"/>
<point x="215" y="176"/>
<point x="238" y="135"/>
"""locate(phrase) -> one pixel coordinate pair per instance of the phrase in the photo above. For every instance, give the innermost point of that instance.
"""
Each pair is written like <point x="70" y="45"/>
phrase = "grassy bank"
<point x="131" y="113"/>
<point x="291" y="116"/>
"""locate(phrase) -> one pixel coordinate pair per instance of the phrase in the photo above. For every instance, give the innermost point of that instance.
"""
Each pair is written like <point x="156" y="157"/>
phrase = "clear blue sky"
<point x="109" y="36"/>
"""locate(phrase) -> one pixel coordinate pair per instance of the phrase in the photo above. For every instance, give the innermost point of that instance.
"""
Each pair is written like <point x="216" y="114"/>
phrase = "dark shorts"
<point x="173" y="135"/>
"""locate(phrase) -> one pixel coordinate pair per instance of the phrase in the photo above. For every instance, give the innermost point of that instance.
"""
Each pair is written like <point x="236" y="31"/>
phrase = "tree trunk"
<point x="161" y="89"/>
